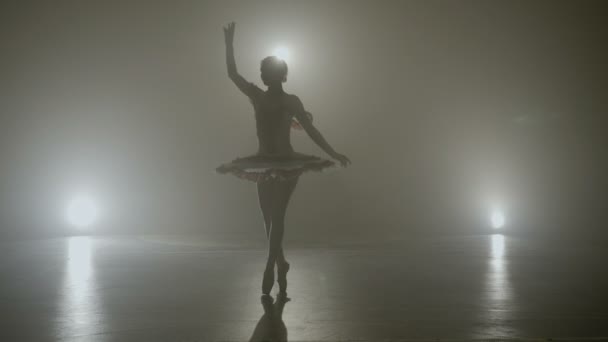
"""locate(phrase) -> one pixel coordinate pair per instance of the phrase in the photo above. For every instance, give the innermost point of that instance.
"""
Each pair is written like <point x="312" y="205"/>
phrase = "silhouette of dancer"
<point x="275" y="167"/>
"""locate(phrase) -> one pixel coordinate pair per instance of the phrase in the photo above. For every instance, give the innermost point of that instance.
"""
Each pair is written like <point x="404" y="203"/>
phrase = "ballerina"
<point x="276" y="167"/>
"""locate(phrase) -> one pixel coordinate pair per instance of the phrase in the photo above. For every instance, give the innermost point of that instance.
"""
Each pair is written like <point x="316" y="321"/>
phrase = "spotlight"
<point x="82" y="211"/>
<point x="281" y="52"/>
<point x="497" y="219"/>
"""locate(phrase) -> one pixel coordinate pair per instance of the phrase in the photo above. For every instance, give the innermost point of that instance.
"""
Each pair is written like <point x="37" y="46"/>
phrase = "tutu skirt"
<point x="261" y="167"/>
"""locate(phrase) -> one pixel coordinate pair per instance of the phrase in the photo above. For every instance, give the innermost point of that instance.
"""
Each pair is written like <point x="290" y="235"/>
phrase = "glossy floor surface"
<point x="197" y="289"/>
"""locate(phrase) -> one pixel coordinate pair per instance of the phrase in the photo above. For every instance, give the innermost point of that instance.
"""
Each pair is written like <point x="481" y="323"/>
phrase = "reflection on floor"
<point x="169" y="289"/>
<point x="271" y="327"/>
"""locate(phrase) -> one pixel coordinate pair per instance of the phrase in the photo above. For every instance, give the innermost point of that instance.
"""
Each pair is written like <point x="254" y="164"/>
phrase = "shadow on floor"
<point x="270" y="327"/>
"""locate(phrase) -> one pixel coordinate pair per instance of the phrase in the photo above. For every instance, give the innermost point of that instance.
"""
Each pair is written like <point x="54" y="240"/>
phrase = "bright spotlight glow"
<point x="82" y="211"/>
<point x="281" y="52"/>
<point x="497" y="219"/>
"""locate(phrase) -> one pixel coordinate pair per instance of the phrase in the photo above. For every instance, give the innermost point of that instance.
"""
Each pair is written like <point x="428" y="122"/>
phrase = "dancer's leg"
<point x="266" y="192"/>
<point x="281" y="196"/>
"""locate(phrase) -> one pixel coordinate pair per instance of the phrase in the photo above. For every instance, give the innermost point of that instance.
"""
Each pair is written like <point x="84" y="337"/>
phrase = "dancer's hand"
<point x="344" y="161"/>
<point x="229" y="33"/>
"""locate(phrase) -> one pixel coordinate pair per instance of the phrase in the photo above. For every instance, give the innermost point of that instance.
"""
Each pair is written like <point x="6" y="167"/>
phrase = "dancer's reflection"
<point x="271" y="327"/>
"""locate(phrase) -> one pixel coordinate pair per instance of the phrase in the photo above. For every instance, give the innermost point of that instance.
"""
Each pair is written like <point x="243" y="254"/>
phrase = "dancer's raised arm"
<point x="246" y="87"/>
<point x="303" y="119"/>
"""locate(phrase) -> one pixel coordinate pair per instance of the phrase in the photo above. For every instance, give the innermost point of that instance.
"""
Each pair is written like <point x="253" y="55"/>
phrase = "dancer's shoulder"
<point x="254" y="90"/>
<point x="295" y="101"/>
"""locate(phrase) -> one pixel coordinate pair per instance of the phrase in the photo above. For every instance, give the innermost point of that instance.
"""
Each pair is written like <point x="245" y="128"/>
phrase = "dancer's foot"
<point x="267" y="302"/>
<point x="268" y="280"/>
<point x="282" y="297"/>
<point x="282" y="269"/>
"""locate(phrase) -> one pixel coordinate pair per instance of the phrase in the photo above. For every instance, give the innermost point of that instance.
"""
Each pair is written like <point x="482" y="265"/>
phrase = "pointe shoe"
<point x="282" y="298"/>
<point x="268" y="281"/>
<point x="282" y="270"/>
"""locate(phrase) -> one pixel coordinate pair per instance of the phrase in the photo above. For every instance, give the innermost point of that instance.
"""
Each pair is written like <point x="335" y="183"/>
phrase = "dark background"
<point x="446" y="109"/>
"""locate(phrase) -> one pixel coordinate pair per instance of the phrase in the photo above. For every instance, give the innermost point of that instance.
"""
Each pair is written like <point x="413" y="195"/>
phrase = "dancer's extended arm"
<point x="302" y="117"/>
<point x="246" y="87"/>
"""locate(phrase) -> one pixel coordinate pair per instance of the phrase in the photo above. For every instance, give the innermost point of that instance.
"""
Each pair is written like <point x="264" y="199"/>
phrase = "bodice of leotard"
<point x="273" y="124"/>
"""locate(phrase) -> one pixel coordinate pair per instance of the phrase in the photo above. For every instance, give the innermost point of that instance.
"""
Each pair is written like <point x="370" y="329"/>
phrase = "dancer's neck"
<point x="275" y="88"/>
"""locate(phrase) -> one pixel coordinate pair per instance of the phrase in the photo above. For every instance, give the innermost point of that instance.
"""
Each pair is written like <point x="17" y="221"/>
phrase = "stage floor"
<point x="201" y="289"/>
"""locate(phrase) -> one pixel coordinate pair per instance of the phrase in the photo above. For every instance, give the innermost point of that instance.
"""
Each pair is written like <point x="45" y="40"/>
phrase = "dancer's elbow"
<point x="233" y="74"/>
